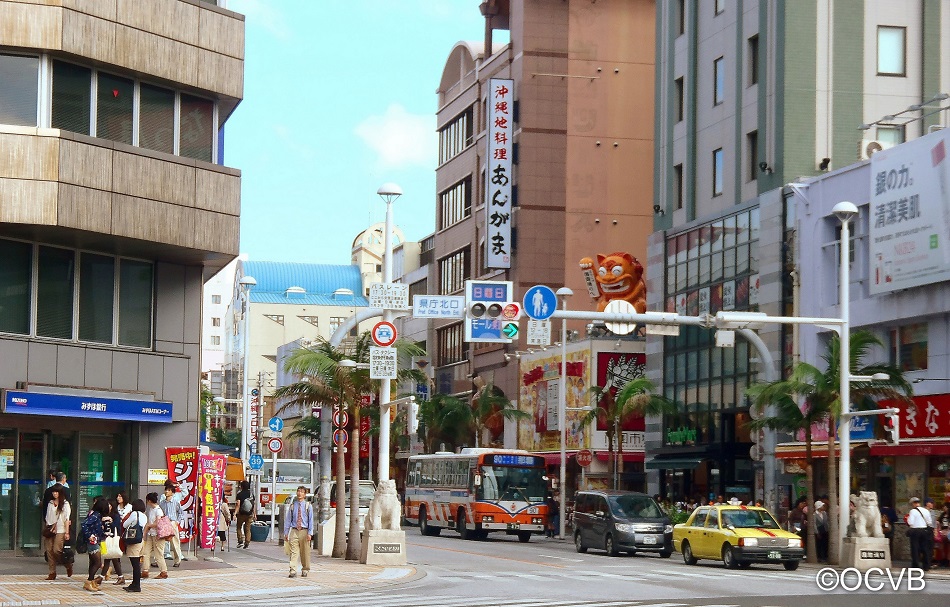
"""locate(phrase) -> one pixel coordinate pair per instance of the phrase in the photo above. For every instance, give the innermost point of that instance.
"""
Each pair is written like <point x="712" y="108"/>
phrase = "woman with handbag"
<point x="112" y="527"/>
<point x="56" y="530"/>
<point x="154" y="541"/>
<point x="133" y="527"/>
<point x="94" y="533"/>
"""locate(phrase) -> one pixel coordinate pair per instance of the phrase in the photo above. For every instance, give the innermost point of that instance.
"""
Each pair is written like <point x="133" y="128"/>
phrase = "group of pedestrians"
<point x="928" y="531"/>
<point x="112" y="528"/>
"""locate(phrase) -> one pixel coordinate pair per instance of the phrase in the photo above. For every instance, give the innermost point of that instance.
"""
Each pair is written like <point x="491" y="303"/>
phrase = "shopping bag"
<point x="111" y="548"/>
<point x="164" y="528"/>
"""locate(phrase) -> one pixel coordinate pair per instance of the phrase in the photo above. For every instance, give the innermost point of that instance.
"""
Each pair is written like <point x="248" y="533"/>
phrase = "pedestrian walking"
<point x="171" y="506"/>
<point x="822" y="529"/>
<point x="554" y="516"/>
<point x="942" y="530"/>
<point x="112" y="528"/>
<point x="224" y="521"/>
<point x="56" y="530"/>
<point x="134" y="531"/>
<point x="920" y="531"/>
<point x="298" y="533"/>
<point x="244" y="512"/>
<point x="94" y="534"/>
<point x="154" y="545"/>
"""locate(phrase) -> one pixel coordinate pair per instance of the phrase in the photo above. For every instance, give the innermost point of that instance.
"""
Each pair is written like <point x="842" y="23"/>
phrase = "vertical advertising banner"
<point x="498" y="175"/>
<point x="182" y="465"/>
<point x="909" y="221"/>
<point x="210" y="489"/>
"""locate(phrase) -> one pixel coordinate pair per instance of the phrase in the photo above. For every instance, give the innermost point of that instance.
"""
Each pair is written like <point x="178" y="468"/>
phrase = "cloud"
<point x="263" y="14"/>
<point x="400" y="139"/>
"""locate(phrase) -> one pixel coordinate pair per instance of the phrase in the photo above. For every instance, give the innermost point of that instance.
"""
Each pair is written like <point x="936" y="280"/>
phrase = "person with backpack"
<point x="133" y="526"/>
<point x="94" y="533"/>
<point x="244" y="511"/>
<point x="171" y="506"/>
<point x="154" y="544"/>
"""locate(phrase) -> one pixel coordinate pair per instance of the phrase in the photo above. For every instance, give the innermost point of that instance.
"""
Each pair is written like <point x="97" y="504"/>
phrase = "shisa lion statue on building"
<point x="617" y="276"/>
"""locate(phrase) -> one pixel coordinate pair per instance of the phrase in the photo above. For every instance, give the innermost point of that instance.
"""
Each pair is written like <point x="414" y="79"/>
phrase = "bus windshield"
<point x="512" y="483"/>
<point x="290" y="472"/>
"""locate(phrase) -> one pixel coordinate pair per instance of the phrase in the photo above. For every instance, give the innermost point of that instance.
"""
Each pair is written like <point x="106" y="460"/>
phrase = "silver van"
<point x="621" y="521"/>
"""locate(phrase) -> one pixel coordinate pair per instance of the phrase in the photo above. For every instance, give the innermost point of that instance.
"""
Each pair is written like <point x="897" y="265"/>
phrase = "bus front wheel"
<point x="461" y="526"/>
<point x="524" y="536"/>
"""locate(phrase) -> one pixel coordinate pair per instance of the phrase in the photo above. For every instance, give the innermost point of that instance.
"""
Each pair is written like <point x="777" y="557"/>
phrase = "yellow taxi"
<point x="737" y="535"/>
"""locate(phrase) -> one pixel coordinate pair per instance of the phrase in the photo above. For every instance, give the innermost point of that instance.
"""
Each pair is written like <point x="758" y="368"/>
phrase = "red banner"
<point x="364" y="435"/>
<point x="182" y="463"/>
<point x="927" y="417"/>
<point x="210" y="490"/>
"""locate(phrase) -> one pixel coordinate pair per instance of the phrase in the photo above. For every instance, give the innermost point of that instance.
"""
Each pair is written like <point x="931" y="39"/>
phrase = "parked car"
<point x="621" y="521"/>
<point x="739" y="535"/>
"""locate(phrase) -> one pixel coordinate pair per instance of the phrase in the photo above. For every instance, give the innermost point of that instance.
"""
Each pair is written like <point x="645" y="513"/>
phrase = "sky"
<point x="339" y="98"/>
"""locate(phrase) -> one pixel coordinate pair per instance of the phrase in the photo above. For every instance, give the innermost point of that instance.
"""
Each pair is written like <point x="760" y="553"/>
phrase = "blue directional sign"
<point x="68" y="405"/>
<point x="540" y="302"/>
<point x="275" y="424"/>
<point x="256" y="461"/>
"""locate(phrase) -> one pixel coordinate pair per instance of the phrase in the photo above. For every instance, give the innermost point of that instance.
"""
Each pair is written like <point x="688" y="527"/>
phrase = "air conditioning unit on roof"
<point x="868" y="147"/>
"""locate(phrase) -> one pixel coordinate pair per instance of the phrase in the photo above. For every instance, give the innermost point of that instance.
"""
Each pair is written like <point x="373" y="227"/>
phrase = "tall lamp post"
<point x="389" y="192"/>
<point x="563" y="293"/>
<point x="245" y="284"/>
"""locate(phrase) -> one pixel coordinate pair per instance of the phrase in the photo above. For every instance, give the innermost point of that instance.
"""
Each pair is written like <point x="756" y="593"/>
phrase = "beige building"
<point x="114" y="210"/>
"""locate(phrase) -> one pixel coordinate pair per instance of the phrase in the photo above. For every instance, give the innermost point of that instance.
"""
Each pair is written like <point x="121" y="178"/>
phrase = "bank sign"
<point x="68" y="405"/>
<point x="910" y="214"/>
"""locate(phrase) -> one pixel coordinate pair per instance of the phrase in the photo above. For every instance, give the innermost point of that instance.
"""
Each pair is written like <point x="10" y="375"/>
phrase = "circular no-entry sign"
<point x="275" y="445"/>
<point x="584" y="457"/>
<point x="384" y="334"/>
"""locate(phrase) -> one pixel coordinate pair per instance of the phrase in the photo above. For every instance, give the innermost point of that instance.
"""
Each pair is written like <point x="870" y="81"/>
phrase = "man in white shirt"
<point x="920" y="531"/>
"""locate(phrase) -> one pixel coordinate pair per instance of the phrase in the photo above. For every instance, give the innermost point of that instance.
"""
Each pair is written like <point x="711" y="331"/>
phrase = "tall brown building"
<point x="581" y="174"/>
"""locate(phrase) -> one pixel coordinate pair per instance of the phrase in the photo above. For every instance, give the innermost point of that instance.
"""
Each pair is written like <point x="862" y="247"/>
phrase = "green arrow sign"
<point x="510" y="330"/>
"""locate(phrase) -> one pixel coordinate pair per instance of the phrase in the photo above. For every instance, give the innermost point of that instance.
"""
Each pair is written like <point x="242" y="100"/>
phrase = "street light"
<point x="245" y="285"/>
<point x="563" y="293"/>
<point x="845" y="212"/>
<point x="389" y="192"/>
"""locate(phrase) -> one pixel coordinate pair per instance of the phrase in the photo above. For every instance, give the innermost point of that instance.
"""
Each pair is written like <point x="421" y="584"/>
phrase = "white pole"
<point x="844" y="425"/>
<point x="245" y="397"/>
<point x="273" y="492"/>
<point x="564" y="293"/>
<point x="384" y="384"/>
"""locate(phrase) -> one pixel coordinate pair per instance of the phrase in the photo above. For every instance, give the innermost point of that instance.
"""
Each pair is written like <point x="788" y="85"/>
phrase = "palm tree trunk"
<point x="833" y="547"/>
<point x="353" y="544"/>
<point x="811" y="552"/>
<point x="611" y="461"/>
<point x="339" y="537"/>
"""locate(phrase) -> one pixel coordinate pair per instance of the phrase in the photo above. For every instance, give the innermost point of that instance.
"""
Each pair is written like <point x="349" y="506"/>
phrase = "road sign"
<point x="540" y="302"/>
<point x="275" y="424"/>
<point x="389" y="296"/>
<point x="265" y="498"/>
<point x="509" y="329"/>
<point x="256" y="461"/>
<point x="511" y="311"/>
<point x="756" y="453"/>
<point x="438" y="306"/>
<point x="275" y="445"/>
<point x="384" y="333"/>
<point x="382" y="363"/>
<point x="620" y="306"/>
<point x="271" y="434"/>
<point x="341" y="419"/>
<point x="485" y="301"/>
<point x="341" y="437"/>
<point x="584" y="457"/>
<point x="539" y="332"/>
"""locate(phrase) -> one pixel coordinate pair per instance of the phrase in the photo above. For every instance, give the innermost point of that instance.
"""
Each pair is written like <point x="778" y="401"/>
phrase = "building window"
<point x="454" y="270"/>
<point x="455" y="204"/>
<point x="335" y="322"/>
<point x="890" y="135"/>
<point x="720" y="6"/>
<point x="451" y="349"/>
<point x="216" y="299"/>
<point x="752" y="147"/>
<point x="114" y="101"/>
<point x="455" y="136"/>
<point x="680" y="17"/>
<point x="16" y="278"/>
<point x="678" y="99"/>
<point x="678" y="185"/>
<point x="215" y="340"/>
<point x="278" y="318"/>
<point x="891" y="50"/>
<point x="135" y="302"/>
<point x="754" y="60"/>
<point x="72" y="97"/>
<point x="719" y="82"/>
<point x="420" y="287"/>
<point x="96" y="297"/>
<point x="717" y="172"/>
<point x="908" y="345"/>
<point x="19" y="93"/>
<point x="197" y="128"/>
<point x="157" y="118"/>
<point x="215" y="322"/>
<point x="55" y="288"/>
<point x="313" y="320"/>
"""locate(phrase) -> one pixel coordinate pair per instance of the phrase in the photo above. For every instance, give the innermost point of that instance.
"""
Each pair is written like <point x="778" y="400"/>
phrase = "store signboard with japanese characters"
<point x="909" y="222"/>
<point x="498" y="176"/>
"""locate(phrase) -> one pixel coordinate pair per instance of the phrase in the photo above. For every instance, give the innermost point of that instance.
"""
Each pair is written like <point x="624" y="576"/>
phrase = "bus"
<point x="477" y="491"/>
<point x="291" y="473"/>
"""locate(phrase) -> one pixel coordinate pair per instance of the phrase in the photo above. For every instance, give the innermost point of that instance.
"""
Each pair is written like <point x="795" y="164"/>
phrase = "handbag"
<point x="49" y="530"/>
<point x="133" y="535"/>
<point x="111" y="548"/>
<point x="68" y="555"/>
<point x="164" y="528"/>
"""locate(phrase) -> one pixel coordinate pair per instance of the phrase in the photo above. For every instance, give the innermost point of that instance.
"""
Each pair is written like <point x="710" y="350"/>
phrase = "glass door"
<point x="102" y="468"/>
<point x="30" y="488"/>
<point x="7" y="490"/>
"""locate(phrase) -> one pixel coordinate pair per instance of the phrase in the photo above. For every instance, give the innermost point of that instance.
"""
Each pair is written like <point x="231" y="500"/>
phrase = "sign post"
<point x="275" y="445"/>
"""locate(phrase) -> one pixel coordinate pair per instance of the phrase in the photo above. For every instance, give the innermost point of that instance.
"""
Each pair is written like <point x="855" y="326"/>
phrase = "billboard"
<point x="909" y="223"/>
<point x="498" y="177"/>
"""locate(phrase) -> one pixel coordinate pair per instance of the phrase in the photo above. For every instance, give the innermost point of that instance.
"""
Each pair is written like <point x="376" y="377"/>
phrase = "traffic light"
<point x="487" y="310"/>
<point x="891" y="428"/>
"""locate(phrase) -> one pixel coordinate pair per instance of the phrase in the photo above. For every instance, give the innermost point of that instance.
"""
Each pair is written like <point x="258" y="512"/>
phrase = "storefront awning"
<point x="674" y="463"/>
<point x="797" y="450"/>
<point x="636" y="456"/>
<point x="553" y="458"/>
<point x="907" y="447"/>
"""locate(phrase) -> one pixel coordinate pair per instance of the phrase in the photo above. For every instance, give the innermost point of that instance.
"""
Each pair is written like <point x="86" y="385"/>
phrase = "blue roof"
<point x="318" y="280"/>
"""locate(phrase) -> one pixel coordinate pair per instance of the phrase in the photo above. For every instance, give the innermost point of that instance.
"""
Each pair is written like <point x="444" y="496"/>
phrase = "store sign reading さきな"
<point x="498" y="175"/>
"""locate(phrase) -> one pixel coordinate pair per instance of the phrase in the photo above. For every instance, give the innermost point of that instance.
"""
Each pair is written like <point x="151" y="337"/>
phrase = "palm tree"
<point x="433" y="432"/>
<point x="820" y="389"/>
<point x="634" y="398"/>
<point x="489" y="409"/>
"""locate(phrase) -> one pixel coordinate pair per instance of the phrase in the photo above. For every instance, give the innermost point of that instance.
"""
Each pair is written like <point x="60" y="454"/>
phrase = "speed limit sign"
<point x="275" y="445"/>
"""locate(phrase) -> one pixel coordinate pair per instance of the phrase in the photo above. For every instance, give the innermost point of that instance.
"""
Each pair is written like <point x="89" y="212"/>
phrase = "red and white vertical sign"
<point x="182" y="463"/>
<point x="364" y="435"/>
<point x="501" y="105"/>
<point x="210" y="492"/>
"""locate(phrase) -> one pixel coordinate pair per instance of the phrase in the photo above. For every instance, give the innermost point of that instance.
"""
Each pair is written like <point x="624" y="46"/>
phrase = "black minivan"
<point x="621" y="521"/>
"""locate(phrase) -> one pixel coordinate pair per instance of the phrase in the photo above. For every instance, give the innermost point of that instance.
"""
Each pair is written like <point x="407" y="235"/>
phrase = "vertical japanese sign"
<point x="182" y="465"/>
<point x="910" y="215"/>
<point x="210" y="490"/>
<point x="498" y="173"/>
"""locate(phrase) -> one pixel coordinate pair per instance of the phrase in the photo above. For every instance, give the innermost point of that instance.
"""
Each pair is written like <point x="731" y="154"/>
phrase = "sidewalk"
<point x="260" y="571"/>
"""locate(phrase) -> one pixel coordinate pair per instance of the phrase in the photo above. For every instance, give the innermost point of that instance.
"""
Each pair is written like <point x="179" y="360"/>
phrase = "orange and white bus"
<point x="477" y="491"/>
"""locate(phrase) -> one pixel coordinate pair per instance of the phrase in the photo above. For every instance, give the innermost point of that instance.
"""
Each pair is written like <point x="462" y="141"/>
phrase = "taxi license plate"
<point x="649" y="539"/>
<point x="775" y="554"/>
<point x="514" y="525"/>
